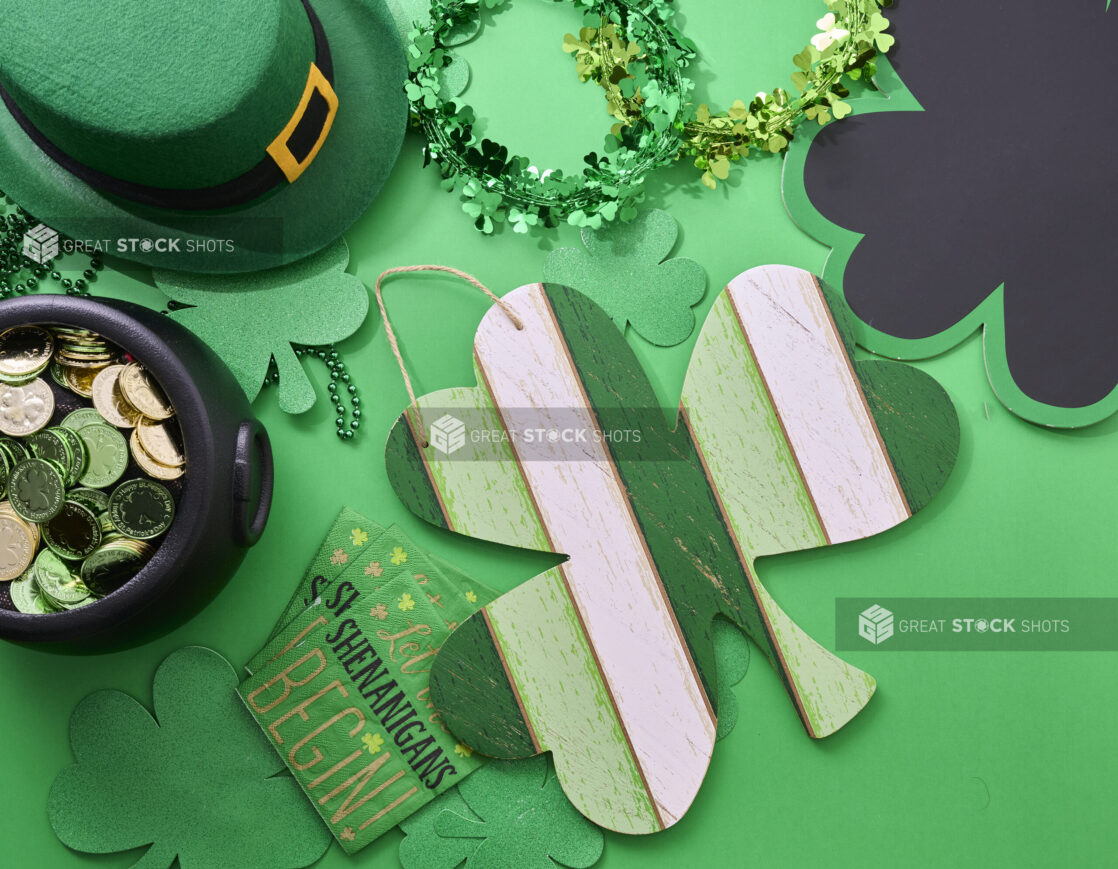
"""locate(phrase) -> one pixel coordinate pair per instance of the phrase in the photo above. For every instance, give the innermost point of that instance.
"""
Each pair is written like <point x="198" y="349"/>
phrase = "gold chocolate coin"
<point x="82" y="348"/>
<point x="80" y="380"/>
<point x="24" y="352"/>
<point x="142" y="392"/>
<point x="161" y="441"/>
<point x="6" y="509"/>
<point x="46" y="553"/>
<point x="109" y="401"/>
<point x="148" y="464"/>
<point x="25" y="409"/>
<point x="17" y="549"/>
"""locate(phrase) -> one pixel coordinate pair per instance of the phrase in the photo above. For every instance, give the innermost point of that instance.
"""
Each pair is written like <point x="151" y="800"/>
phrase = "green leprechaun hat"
<point x="202" y="135"/>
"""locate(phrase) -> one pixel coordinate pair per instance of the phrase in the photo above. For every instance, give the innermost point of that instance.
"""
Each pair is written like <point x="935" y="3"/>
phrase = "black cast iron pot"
<point x="226" y="493"/>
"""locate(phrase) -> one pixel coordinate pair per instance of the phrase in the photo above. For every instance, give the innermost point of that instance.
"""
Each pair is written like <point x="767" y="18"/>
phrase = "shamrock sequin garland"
<point x="852" y="33"/>
<point x="497" y="186"/>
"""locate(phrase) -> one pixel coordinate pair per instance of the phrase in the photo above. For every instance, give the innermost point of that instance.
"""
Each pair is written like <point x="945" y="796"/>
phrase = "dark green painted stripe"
<point x="915" y="417"/>
<point x="408" y="475"/>
<point x="673" y="502"/>
<point x="918" y="424"/>
<point x="745" y="611"/>
<point x="472" y="691"/>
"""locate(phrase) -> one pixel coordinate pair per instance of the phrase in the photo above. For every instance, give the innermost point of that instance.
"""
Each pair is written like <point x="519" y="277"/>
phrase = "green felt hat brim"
<point x="293" y="222"/>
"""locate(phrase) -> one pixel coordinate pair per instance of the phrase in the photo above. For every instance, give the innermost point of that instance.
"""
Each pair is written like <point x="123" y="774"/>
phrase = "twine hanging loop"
<point x="413" y="409"/>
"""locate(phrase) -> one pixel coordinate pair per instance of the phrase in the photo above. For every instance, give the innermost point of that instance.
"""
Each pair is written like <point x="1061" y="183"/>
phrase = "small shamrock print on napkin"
<point x="251" y="319"/>
<point x="626" y="270"/>
<point x="507" y="814"/>
<point x="197" y="781"/>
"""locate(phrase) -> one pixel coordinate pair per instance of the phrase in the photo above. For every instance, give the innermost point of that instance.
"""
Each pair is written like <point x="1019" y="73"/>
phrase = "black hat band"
<point x="288" y="155"/>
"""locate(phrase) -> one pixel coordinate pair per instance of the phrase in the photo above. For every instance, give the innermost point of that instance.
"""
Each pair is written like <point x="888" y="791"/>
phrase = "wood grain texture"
<point x="483" y="492"/>
<point x="612" y="579"/>
<point x="406" y="464"/>
<point x="729" y="411"/>
<point x="608" y="659"/>
<point x="475" y="697"/>
<point x="561" y="688"/>
<point x="819" y="401"/>
<point x="750" y="463"/>
<point x="827" y="691"/>
<point x="912" y="415"/>
<point x="661" y="478"/>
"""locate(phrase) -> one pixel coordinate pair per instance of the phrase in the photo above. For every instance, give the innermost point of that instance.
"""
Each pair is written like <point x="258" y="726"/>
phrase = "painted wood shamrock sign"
<point x="783" y="442"/>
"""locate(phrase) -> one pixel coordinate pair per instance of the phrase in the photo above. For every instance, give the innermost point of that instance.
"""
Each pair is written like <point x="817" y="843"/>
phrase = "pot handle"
<point x="254" y="449"/>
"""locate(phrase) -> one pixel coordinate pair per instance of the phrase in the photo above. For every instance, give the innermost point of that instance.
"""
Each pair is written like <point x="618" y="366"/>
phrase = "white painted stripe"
<point x="820" y="402"/>
<point x="612" y="580"/>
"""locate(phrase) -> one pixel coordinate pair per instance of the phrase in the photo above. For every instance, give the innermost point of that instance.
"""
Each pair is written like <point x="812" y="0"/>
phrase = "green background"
<point x="962" y="759"/>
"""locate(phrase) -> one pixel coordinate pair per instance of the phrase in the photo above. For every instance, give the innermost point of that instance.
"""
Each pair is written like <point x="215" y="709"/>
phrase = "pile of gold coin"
<point x="128" y="398"/>
<point x="78" y="519"/>
<point x="80" y="349"/>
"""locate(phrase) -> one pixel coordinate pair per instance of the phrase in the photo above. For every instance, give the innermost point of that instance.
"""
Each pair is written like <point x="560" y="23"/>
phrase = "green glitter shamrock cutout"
<point x="507" y="814"/>
<point x="197" y="781"/>
<point x="626" y="270"/>
<point x="731" y="653"/>
<point x="253" y="318"/>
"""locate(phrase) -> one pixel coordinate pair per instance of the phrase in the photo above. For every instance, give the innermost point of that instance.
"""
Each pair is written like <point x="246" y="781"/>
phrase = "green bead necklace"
<point x="20" y="275"/>
<point x="339" y="377"/>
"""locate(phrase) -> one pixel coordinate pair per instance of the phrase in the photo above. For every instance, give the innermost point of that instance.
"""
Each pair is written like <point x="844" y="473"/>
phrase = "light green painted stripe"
<point x="484" y="496"/>
<point x="746" y="453"/>
<point x="762" y="491"/>
<point x="561" y="689"/>
<point x="831" y="691"/>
